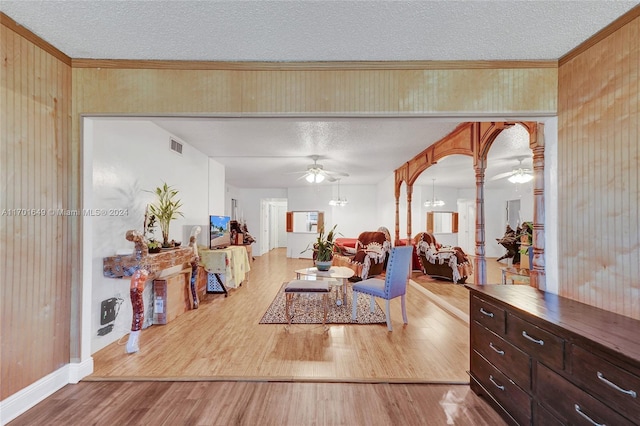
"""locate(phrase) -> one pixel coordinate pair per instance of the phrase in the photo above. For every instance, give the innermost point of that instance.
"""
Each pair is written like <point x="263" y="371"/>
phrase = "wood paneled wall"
<point x="36" y="245"/>
<point x="599" y="173"/>
<point x="331" y="91"/>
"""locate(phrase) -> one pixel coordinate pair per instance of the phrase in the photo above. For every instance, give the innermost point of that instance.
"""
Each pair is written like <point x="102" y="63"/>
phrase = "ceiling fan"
<point x="517" y="175"/>
<point x="316" y="173"/>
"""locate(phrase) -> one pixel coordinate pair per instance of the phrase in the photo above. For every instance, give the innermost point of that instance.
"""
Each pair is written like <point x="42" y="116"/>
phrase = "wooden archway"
<point x="475" y="139"/>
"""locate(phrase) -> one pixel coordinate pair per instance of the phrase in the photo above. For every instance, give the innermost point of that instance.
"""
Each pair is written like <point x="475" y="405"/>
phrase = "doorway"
<point x="274" y="232"/>
<point x="467" y="225"/>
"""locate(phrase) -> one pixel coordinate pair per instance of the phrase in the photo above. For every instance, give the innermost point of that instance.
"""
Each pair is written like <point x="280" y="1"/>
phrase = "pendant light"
<point x="434" y="202"/>
<point x="340" y="202"/>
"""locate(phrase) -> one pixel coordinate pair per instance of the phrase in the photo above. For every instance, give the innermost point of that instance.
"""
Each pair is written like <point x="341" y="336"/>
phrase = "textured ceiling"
<point x="315" y="30"/>
<point x="258" y="152"/>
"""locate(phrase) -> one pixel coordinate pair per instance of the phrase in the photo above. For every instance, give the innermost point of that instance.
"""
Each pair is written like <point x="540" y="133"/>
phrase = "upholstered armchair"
<point x="448" y="263"/>
<point x="367" y="258"/>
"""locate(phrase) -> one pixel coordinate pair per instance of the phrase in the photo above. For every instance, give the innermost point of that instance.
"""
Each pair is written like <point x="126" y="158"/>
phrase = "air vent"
<point x="176" y="146"/>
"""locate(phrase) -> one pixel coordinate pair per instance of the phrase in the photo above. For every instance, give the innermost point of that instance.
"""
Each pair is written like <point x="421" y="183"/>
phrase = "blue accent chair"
<point x="393" y="285"/>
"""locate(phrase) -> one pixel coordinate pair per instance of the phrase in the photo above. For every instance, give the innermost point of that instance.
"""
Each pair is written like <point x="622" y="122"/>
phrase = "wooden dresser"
<point x="542" y="359"/>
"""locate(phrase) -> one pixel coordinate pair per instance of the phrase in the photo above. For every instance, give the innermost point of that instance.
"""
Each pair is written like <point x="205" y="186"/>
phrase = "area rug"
<point x="307" y="309"/>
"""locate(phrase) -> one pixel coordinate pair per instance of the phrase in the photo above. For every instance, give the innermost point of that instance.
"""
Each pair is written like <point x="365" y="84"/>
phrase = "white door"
<point x="467" y="226"/>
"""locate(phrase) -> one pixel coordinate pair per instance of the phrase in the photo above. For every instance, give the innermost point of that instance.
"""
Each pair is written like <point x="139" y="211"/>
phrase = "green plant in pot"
<point x="526" y="231"/>
<point x="150" y="233"/>
<point x="165" y="209"/>
<point x="154" y="246"/>
<point x="323" y="249"/>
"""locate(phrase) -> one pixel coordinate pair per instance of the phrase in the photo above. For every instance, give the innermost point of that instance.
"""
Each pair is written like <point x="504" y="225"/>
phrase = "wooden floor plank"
<point x="260" y="403"/>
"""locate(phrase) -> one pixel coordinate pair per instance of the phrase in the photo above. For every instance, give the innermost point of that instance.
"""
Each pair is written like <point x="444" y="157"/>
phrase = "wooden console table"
<point x="542" y="359"/>
<point x="122" y="266"/>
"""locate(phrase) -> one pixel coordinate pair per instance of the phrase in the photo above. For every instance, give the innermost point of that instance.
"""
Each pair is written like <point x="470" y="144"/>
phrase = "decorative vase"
<point x="323" y="265"/>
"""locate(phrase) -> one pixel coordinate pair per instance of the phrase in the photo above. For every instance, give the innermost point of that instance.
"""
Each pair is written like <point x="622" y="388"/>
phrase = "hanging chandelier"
<point x="434" y="202"/>
<point x="520" y="176"/>
<point x="340" y="202"/>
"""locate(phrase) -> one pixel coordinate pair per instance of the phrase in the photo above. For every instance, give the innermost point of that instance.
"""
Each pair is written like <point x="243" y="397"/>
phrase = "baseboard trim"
<point x="441" y="302"/>
<point x="23" y="400"/>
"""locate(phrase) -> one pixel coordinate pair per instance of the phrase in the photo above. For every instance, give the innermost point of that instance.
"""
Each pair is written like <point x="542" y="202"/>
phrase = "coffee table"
<point x="519" y="275"/>
<point x="337" y="275"/>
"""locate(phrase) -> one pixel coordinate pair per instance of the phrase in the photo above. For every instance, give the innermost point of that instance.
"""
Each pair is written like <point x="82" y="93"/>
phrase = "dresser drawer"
<point x="513" y="399"/>
<point x="540" y="344"/>
<point x="542" y="417"/>
<point x="503" y="355"/>
<point x="570" y="402"/>
<point x="615" y="386"/>
<point x="488" y="315"/>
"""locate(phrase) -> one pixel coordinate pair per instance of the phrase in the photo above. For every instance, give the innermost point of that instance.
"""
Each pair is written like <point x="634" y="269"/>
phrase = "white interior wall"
<point x="386" y="204"/>
<point x="219" y="205"/>
<point x="132" y="157"/>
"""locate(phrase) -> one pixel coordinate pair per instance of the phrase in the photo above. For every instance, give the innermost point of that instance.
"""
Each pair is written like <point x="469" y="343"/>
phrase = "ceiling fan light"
<point x="520" y="178"/>
<point x="314" y="177"/>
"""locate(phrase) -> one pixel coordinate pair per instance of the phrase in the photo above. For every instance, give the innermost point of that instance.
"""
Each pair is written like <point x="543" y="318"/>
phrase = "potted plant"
<point x="323" y="249"/>
<point x="165" y="209"/>
<point x="150" y="234"/>
<point x="154" y="246"/>
<point x="526" y="241"/>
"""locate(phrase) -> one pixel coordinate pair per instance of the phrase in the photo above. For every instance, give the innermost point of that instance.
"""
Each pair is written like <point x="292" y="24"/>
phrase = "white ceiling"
<point x="258" y="152"/>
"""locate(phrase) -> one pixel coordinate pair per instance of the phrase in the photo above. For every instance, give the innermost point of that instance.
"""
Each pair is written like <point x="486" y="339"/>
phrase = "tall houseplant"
<point x="165" y="209"/>
<point x="323" y="249"/>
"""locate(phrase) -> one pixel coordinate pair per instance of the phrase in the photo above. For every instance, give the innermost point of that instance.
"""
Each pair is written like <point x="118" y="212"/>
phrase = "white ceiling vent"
<point x="176" y="146"/>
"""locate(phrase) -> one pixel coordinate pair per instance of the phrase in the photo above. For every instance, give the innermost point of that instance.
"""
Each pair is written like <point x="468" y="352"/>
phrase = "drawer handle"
<point x="534" y="340"/>
<point x="632" y="393"/>
<point x="579" y="411"/>
<point x="501" y="387"/>
<point x="498" y="351"/>
<point x="489" y="314"/>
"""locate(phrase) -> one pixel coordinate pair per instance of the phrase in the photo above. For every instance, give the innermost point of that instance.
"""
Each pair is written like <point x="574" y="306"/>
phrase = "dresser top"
<point x="606" y="330"/>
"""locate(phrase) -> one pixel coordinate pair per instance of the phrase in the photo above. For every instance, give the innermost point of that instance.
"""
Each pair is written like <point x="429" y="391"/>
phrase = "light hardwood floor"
<point x="223" y="340"/>
<point x="217" y="365"/>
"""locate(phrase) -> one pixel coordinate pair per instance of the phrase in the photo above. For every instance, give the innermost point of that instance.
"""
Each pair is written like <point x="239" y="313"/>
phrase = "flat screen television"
<point x="219" y="232"/>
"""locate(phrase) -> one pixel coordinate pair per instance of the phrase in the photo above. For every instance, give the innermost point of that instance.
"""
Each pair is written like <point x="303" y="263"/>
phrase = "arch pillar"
<point x="480" y="261"/>
<point x="537" y="272"/>
<point x="409" y="198"/>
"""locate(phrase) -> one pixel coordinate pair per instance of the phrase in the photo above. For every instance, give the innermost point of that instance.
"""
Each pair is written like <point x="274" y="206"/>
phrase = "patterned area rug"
<point x="307" y="309"/>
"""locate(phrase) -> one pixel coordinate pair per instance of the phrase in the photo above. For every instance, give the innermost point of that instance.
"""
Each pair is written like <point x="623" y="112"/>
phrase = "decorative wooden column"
<point x="480" y="266"/>
<point x="537" y="272"/>
<point x="409" y="198"/>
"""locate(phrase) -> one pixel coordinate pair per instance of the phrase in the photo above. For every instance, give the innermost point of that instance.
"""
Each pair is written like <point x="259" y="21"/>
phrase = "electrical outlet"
<point x="107" y="311"/>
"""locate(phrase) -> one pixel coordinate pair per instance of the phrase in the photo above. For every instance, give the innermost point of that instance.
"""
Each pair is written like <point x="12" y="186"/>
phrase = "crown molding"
<point x="33" y="38"/>
<point x="600" y="35"/>
<point x="308" y="66"/>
